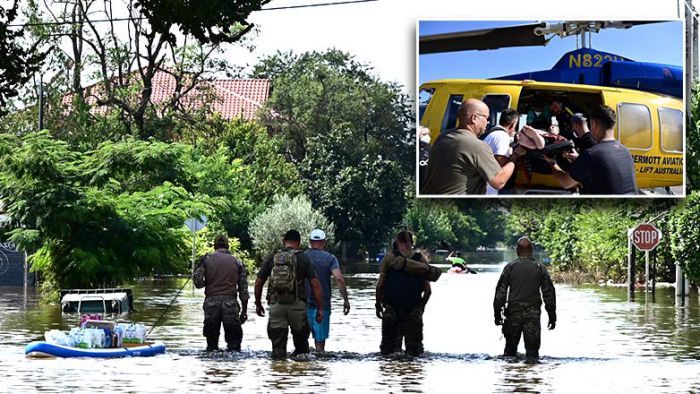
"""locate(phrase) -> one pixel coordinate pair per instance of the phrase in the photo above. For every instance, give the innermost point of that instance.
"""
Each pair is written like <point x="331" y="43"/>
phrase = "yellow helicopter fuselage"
<point x="650" y="125"/>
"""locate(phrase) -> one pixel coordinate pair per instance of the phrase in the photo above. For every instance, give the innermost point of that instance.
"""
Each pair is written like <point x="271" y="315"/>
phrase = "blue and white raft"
<point x="44" y="349"/>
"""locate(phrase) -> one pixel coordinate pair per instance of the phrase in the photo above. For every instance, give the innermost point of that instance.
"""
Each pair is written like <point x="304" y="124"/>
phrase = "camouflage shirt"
<point x="520" y="285"/>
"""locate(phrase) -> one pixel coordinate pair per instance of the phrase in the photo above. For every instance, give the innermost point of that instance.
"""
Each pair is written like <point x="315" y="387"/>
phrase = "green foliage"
<point x="212" y="21"/>
<point x="589" y="236"/>
<point x="693" y="143"/>
<point x="439" y="222"/>
<point x="85" y="221"/>
<point x="17" y="63"/>
<point x="348" y="133"/>
<point x="254" y="173"/>
<point x="269" y="227"/>
<point x="685" y="233"/>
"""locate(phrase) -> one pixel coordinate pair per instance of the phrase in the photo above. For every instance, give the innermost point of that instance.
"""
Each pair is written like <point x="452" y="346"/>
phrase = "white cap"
<point x="317" y="235"/>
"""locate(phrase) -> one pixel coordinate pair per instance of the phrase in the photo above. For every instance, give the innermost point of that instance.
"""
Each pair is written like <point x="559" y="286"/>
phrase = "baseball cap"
<point x="317" y="235"/>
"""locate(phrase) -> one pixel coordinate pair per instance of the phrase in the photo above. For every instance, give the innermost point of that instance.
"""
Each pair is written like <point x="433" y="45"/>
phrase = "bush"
<point x="268" y="228"/>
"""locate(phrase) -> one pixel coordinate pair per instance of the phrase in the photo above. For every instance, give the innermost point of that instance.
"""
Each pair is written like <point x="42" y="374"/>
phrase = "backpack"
<point x="283" y="279"/>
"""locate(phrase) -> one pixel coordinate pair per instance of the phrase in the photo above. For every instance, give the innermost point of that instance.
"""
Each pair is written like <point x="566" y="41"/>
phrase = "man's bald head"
<point x="470" y="113"/>
<point x="524" y="247"/>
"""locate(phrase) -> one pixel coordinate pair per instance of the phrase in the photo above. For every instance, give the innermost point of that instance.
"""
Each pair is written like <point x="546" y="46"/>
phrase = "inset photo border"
<point x="550" y="109"/>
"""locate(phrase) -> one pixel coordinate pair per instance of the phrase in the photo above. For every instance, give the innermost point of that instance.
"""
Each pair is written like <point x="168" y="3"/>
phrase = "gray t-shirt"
<point x="324" y="263"/>
<point x="459" y="164"/>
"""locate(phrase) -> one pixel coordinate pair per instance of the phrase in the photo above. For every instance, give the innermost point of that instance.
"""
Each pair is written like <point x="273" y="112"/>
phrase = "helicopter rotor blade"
<point x="512" y="36"/>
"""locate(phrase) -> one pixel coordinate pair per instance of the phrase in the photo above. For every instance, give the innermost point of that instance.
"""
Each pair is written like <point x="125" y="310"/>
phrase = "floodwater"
<point x="601" y="343"/>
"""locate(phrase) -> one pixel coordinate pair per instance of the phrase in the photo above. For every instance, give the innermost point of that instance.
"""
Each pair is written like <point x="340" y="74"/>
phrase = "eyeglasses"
<point x="485" y="116"/>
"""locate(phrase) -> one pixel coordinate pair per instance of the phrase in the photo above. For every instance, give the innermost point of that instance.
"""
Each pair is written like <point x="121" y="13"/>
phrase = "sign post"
<point x="195" y="224"/>
<point x="645" y="237"/>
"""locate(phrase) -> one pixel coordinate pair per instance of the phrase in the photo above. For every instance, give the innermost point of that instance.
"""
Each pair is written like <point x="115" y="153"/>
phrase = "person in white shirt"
<point x="499" y="139"/>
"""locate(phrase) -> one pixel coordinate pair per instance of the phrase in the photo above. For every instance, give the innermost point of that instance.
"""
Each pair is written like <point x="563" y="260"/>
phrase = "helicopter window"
<point x="671" y="124"/>
<point x="496" y="103"/>
<point x="423" y="101"/>
<point x="449" y="121"/>
<point x="634" y="126"/>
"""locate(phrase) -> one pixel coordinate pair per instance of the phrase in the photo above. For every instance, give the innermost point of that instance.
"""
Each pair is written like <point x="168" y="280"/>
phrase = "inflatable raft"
<point x="45" y="349"/>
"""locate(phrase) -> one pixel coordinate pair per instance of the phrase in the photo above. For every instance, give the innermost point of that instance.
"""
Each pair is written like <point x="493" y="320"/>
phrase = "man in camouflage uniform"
<point x="402" y="292"/>
<point x="525" y="278"/>
<point x="288" y="266"/>
<point x="222" y="275"/>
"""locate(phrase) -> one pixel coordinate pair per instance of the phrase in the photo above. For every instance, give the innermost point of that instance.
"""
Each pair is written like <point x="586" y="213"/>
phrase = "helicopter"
<point x="647" y="97"/>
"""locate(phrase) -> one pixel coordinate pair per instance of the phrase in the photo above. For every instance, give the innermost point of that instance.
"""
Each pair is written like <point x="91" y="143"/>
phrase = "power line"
<point x="142" y="18"/>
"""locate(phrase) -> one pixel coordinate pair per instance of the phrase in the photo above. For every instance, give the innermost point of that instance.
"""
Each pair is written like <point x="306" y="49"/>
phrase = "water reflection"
<point x="601" y="343"/>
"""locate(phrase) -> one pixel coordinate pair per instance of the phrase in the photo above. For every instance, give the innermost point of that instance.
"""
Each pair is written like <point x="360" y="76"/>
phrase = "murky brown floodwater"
<point x="601" y="344"/>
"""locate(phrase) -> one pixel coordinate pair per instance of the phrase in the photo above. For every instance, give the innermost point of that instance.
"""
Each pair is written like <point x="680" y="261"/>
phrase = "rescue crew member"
<point x="401" y="297"/>
<point x="326" y="265"/>
<point x="288" y="269"/>
<point x="222" y="275"/>
<point x="605" y="168"/>
<point x="460" y="163"/>
<point x="518" y="290"/>
<point x="563" y="116"/>
<point x="584" y="139"/>
<point x="499" y="139"/>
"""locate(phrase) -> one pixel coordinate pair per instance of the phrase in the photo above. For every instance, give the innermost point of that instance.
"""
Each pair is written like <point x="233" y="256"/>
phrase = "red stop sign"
<point x="646" y="236"/>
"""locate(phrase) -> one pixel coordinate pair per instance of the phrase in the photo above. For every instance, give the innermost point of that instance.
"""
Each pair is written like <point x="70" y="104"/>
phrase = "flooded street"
<point x="601" y="343"/>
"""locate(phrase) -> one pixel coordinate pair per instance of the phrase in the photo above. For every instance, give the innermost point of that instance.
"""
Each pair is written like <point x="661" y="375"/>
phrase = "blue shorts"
<point x="319" y="330"/>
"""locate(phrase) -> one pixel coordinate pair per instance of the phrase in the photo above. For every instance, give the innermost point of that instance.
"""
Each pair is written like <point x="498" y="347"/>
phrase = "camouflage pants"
<point x="525" y="322"/>
<point x="218" y="310"/>
<point x="400" y="323"/>
<point x="284" y="317"/>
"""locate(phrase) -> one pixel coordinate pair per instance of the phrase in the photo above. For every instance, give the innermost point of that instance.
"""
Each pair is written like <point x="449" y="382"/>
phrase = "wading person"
<point x="401" y="296"/>
<point x="523" y="284"/>
<point x="287" y="270"/>
<point x="222" y="275"/>
<point x="326" y="265"/>
<point x="460" y="163"/>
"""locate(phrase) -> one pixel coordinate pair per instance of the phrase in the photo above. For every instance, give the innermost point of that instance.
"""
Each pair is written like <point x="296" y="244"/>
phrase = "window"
<point x="671" y="124"/>
<point x="423" y="100"/>
<point x="449" y="121"/>
<point x="634" y="125"/>
<point x="496" y="104"/>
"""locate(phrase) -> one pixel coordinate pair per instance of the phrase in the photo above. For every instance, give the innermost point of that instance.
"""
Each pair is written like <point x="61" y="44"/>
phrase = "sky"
<point x="656" y="43"/>
<point x="383" y="33"/>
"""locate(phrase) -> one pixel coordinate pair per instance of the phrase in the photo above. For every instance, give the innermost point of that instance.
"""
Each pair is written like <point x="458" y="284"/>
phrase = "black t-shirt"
<point x="584" y="142"/>
<point x="605" y="168"/>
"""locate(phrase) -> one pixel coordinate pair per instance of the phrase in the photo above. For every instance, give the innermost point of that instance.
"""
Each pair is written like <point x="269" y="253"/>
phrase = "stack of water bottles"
<point x="96" y="333"/>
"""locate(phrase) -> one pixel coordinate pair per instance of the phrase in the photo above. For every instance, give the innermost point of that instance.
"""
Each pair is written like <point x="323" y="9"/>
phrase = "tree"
<point x="685" y="232"/>
<point x="349" y="135"/>
<point x="17" y="63"/>
<point x="438" y="222"/>
<point x="122" y="74"/>
<point x="94" y="217"/>
<point x="693" y="143"/>
<point x="269" y="227"/>
<point x="214" y="21"/>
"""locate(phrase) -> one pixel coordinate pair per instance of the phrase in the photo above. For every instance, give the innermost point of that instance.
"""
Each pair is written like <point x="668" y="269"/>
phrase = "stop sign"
<point x="646" y="236"/>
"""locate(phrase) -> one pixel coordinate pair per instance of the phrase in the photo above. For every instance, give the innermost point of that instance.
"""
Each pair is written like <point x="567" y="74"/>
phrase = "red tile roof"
<point x="233" y="97"/>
